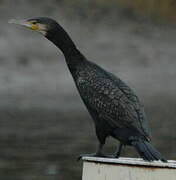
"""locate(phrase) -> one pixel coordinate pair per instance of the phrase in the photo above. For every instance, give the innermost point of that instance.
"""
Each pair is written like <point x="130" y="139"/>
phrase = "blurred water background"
<point x="44" y="125"/>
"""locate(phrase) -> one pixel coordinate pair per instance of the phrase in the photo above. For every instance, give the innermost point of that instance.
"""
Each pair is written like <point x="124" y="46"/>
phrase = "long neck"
<point x="62" y="40"/>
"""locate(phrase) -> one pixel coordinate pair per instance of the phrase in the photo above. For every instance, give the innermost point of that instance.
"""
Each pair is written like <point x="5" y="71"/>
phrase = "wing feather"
<point x="111" y="99"/>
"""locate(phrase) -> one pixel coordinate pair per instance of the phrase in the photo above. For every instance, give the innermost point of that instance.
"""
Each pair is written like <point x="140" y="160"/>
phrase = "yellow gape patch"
<point x="34" y="27"/>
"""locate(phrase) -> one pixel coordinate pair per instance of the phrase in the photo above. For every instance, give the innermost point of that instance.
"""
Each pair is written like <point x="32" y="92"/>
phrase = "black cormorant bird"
<point x="114" y="107"/>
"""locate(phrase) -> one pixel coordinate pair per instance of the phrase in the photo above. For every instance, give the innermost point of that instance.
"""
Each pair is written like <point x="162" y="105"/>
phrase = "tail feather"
<point x="147" y="151"/>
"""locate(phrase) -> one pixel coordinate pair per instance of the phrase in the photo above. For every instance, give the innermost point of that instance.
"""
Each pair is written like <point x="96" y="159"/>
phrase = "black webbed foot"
<point x="113" y="156"/>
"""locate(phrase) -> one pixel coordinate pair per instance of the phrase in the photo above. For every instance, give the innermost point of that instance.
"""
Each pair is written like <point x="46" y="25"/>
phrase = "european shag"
<point x="114" y="107"/>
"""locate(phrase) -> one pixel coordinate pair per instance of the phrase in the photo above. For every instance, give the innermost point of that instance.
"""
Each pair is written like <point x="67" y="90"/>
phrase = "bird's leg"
<point x="118" y="151"/>
<point x="98" y="153"/>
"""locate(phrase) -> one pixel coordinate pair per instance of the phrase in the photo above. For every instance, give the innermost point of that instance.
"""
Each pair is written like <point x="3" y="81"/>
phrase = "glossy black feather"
<point x="110" y="101"/>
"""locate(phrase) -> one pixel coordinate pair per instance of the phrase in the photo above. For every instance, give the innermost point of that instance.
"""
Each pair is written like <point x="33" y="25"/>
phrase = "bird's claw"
<point x="114" y="156"/>
<point x="79" y="157"/>
<point x="95" y="155"/>
<point x="86" y="155"/>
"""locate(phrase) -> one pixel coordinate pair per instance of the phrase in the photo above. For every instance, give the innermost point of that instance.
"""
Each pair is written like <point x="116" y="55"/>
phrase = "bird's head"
<point x="39" y="24"/>
<point x="50" y="29"/>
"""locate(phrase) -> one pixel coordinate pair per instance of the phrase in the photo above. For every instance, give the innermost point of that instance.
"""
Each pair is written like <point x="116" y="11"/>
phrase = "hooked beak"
<point x="28" y="24"/>
<point x="21" y="22"/>
<point x="25" y="23"/>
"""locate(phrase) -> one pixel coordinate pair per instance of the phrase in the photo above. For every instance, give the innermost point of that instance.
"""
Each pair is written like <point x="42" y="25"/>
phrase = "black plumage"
<point x="114" y="107"/>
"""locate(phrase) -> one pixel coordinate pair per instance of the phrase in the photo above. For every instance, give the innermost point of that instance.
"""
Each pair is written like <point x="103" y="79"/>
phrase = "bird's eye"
<point x="34" y="23"/>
